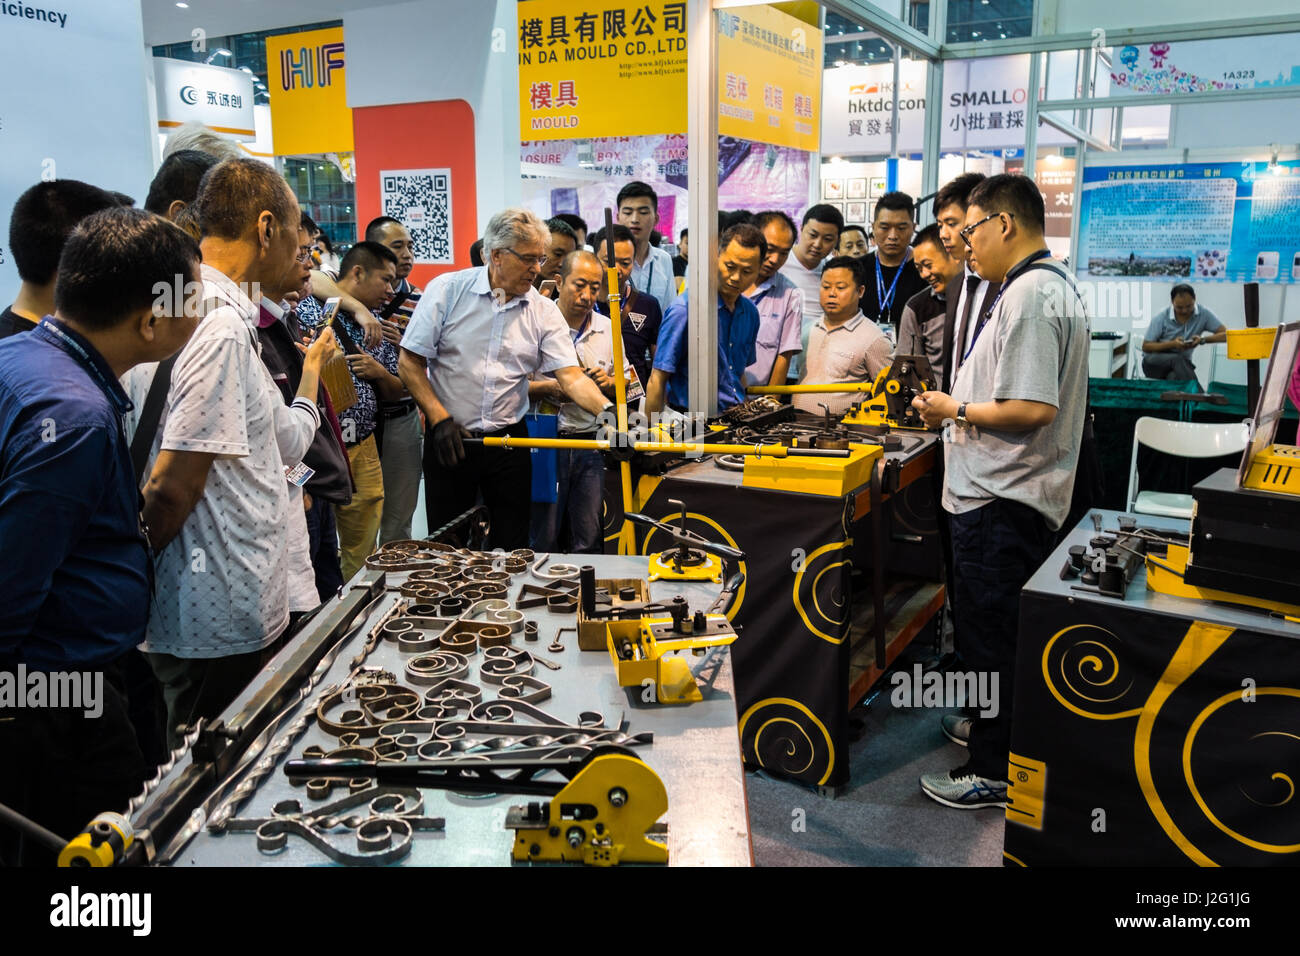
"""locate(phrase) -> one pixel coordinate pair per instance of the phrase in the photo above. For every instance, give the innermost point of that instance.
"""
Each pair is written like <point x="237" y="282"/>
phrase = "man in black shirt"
<point x="921" y="330"/>
<point x="41" y="222"/>
<point x="683" y="253"/>
<point x="892" y="279"/>
<point x="641" y="312"/>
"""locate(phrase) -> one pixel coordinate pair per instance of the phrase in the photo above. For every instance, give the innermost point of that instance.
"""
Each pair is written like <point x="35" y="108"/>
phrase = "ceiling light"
<point x="839" y="62"/>
<point x="183" y="6"/>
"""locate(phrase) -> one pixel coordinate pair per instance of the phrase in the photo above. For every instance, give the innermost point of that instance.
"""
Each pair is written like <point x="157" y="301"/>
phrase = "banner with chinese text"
<point x="309" y="99"/>
<point x="600" y="69"/>
<point x="1230" y="222"/>
<point x="769" y="78"/>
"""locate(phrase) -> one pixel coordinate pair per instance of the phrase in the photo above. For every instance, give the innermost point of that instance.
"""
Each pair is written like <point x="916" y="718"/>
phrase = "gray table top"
<point x="696" y="750"/>
<point x="1047" y="580"/>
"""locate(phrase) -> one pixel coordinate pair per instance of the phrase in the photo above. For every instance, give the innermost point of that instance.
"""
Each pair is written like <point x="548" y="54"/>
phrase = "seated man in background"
<point x="77" y="582"/>
<point x="1174" y="332"/>
<point x="844" y="346"/>
<point x="921" y="329"/>
<point x="575" y="514"/>
<point x="743" y="250"/>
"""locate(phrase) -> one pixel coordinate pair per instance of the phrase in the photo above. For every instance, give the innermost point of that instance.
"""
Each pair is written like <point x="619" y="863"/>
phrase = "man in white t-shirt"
<point x="216" y="501"/>
<point x="652" y="267"/>
<point x="818" y="236"/>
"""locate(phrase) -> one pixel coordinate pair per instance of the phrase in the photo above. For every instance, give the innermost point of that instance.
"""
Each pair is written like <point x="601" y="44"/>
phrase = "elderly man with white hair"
<point x="471" y="346"/>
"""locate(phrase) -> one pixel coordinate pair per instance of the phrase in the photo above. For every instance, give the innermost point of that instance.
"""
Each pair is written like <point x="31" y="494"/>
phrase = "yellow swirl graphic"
<point x="1098" y="667"/>
<point x="1195" y="649"/>
<point x="816" y="581"/>
<point x="1235" y="696"/>
<point x="791" y="748"/>
<point x="705" y="519"/>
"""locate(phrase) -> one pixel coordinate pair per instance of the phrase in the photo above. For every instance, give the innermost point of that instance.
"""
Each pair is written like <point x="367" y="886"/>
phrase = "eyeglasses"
<point x="966" y="233"/>
<point x="526" y="260"/>
<point x="304" y="254"/>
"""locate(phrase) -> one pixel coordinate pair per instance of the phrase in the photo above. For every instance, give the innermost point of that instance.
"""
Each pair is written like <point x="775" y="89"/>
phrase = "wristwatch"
<point x="961" y="416"/>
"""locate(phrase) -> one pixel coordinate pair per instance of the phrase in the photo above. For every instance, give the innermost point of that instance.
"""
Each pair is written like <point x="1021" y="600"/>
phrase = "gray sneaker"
<point x="956" y="727"/>
<point x="964" y="790"/>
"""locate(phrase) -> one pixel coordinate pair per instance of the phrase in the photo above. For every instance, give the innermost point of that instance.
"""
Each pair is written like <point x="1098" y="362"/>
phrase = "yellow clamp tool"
<point x="104" y="842"/>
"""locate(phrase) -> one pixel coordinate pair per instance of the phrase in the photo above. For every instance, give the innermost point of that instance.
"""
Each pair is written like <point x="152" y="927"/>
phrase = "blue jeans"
<point x="577" y="507"/>
<point x="323" y="543"/>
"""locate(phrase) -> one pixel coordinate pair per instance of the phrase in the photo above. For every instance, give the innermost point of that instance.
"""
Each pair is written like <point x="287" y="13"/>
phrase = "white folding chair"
<point x="1185" y="440"/>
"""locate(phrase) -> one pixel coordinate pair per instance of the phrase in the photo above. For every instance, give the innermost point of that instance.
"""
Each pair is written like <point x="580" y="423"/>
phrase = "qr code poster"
<point x="420" y="199"/>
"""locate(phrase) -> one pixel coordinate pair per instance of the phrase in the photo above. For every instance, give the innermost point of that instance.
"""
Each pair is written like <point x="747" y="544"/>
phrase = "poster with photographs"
<point x="856" y="189"/>
<point x="832" y="189"/>
<point x="855" y="212"/>
<point x="837" y="206"/>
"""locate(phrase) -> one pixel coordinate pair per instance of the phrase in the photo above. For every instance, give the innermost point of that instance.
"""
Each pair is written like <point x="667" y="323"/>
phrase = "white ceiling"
<point x="164" y="22"/>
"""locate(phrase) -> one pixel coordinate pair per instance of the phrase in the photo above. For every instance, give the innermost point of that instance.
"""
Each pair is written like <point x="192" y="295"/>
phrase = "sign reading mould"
<point x="219" y="98"/>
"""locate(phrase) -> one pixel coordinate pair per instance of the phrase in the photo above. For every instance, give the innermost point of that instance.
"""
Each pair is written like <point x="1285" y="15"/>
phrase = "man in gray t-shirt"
<point x="1173" y="334"/>
<point x="1013" y="427"/>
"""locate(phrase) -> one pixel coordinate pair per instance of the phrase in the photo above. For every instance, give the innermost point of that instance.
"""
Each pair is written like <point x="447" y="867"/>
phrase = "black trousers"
<point x="502" y="478"/>
<point x="995" y="551"/>
<point x="63" y="768"/>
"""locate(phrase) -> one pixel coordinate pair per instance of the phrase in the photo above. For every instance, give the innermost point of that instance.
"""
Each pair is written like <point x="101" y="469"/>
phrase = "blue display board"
<point x="1208" y="222"/>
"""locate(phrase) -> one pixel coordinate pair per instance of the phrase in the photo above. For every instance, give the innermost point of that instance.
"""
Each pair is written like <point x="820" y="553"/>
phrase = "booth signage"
<point x="306" y="74"/>
<point x="219" y="98"/>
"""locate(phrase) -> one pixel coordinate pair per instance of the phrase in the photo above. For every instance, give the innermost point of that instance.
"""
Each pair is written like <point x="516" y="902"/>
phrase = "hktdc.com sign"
<point x="219" y="98"/>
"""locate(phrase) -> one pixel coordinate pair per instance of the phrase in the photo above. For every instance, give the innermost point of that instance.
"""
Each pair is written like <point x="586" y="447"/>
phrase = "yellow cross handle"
<point x="671" y="447"/>
<point x="810" y="389"/>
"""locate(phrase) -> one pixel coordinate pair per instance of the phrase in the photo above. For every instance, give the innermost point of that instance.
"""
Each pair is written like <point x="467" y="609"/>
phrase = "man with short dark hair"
<point x="1174" y="332"/>
<point x="683" y="254"/>
<point x="779" y="303"/>
<point x="921" y="328"/>
<point x="573" y="521"/>
<point x="367" y="273"/>
<point x="845" y="346"/>
<point x="819" y="233"/>
<point x="42" y="219"/>
<point x="176" y="184"/>
<point x="217" y="501"/>
<point x="563" y="241"/>
<point x="401" y="452"/>
<point x="1014" y="426"/>
<point x="743" y="250"/>
<point x="853" y="242"/>
<point x="971" y="293"/>
<point x="641" y="315"/>
<point x="652" y="267"/>
<point x="77" y="582"/>
<point x="476" y="338"/>
<point x="892" y="278"/>
<point x="577" y="224"/>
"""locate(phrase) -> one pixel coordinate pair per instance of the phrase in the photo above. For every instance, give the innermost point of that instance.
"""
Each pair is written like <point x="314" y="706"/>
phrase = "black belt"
<point x="581" y="436"/>
<point x="397" y="411"/>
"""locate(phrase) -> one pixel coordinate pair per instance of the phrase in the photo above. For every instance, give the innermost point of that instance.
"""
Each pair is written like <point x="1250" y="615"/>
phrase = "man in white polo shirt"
<point x="844" y="345"/>
<point x="1014" y="423"/>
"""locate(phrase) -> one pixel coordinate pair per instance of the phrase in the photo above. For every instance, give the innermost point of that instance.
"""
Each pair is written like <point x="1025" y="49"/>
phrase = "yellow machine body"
<point x="710" y="569"/>
<point x="1165" y="575"/>
<point x="600" y="818"/>
<point x="874" y="411"/>
<point x="103" y="843"/>
<point x="830" y="477"/>
<point x="651" y="640"/>
<point x="1276" y="469"/>
<point x="1251" y="343"/>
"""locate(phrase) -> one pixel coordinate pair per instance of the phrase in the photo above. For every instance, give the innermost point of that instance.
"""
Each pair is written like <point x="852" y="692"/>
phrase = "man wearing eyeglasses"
<point x="475" y="340"/>
<point x="1013" y="426"/>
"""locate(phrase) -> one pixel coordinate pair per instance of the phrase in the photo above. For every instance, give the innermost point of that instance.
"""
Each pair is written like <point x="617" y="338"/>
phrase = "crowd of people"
<point x="193" y="473"/>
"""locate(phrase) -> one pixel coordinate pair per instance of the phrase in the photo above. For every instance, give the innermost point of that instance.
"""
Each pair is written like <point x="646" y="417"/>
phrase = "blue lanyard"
<point x="886" y="299"/>
<point x="982" y="320"/>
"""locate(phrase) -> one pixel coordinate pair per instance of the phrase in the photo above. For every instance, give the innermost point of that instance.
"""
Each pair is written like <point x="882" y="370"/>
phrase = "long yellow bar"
<point x="828" y="388"/>
<point x="676" y="448"/>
